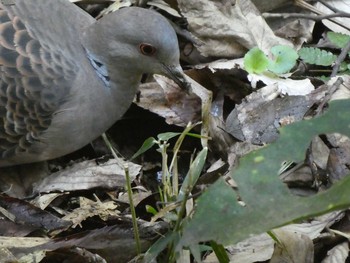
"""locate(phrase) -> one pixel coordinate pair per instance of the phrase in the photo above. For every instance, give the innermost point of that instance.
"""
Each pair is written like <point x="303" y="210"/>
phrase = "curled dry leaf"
<point x="166" y="99"/>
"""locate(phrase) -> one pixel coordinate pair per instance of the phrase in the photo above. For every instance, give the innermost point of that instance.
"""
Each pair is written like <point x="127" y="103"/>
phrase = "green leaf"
<point x="338" y="39"/>
<point x="268" y="202"/>
<point x="317" y="56"/>
<point x="193" y="173"/>
<point x="151" y="210"/>
<point x="195" y="135"/>
<point x="166" y="136"/>
<point x="220" y="252"/>
<point x="255" y="61"/>
<point x="284" y="59"/>
<point x="148" y="143"/>
<point x="160" y="245"/>
<point x="196" y="252"/>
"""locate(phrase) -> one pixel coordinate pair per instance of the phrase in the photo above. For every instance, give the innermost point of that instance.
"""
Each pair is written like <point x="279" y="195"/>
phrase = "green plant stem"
<point x="179" y="142"/>
<point x="133" y="212"/>
<point x="128" y="187"/>
<point x="175" y="181"/>
<point x="182" y="210"/>
<point x="173" y="169"/>
<point x="170" y="256"/>
<point x="165" y="172"/>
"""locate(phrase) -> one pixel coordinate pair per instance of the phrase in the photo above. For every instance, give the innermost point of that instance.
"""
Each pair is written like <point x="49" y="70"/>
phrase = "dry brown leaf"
<point x="87" y="175"/>
<point x="292" y="247"/>
<point x="227" y="30"/>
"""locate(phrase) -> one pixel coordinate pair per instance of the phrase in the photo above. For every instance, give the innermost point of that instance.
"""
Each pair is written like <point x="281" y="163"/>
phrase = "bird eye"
<point x="147" y="49"/>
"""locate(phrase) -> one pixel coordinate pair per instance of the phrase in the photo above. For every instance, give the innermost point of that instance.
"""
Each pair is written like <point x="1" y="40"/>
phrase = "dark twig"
<point x="306" y="5"/>
<point x="343" y="54"/>
<point x="329" y="94"/>
<point x="335" y="10"/>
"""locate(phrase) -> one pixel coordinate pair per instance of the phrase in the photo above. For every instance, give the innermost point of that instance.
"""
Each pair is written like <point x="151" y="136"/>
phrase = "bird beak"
<point x="177" y="75"/>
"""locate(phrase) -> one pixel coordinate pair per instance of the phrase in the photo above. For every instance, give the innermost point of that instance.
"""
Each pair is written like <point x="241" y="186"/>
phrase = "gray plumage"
<point x="66" y="78"/>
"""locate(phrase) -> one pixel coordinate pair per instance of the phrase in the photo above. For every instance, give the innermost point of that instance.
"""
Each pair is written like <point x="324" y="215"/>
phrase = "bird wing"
<point x="39" y="51"/>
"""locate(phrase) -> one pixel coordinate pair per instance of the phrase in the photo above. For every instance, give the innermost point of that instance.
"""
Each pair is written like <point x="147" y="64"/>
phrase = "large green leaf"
<point x="268" y="202"/>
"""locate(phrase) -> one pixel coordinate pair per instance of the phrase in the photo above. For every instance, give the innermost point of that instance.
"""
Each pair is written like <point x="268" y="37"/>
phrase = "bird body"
<point x="65" y="78"/>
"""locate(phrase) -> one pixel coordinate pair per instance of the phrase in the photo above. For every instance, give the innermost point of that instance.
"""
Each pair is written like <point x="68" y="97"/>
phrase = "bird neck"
<point x="113" y="72"/>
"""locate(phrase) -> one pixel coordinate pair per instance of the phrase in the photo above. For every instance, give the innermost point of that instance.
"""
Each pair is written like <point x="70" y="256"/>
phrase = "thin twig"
<point x="306" y="16"/>
<point x="305" y="5"/>
<point x="343" y="54"/>
<point x="329" y="94"/>
<point x="335" y="10"/>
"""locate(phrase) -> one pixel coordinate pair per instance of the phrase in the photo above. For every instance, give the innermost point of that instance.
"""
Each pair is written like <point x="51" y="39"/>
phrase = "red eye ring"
<point x="147" y="49"/>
